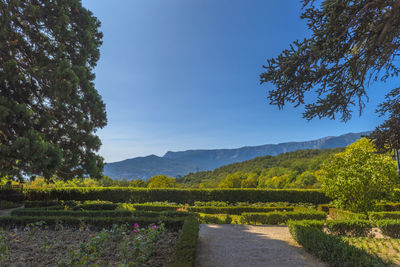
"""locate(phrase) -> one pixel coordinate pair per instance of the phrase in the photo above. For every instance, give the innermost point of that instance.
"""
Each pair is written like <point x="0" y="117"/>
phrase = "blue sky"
<point x="184" y="74"/>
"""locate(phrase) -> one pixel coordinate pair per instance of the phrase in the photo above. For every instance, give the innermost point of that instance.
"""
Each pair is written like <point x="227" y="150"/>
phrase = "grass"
<point x="387" y="249"/>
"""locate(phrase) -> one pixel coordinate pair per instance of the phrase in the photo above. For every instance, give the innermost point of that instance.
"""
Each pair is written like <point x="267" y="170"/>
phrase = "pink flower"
<point x="154" y="226"/>
<point x="136" y="225"/>
<point x="135" y="231"/>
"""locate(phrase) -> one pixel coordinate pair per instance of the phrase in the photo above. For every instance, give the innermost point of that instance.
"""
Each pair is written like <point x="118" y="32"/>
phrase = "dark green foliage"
<point x="375" y="216"/>
<point x="185" y="250"/>
<point x="96" y="206"/>
<point x="11" y="195"/>
<point x="4" y="204"/>
<point x="331" y="249"/>
<point x="352" y="43"/>
<point x="323" y="207"/>
<point x="215" y="218"/>
<point x="256" y="172"/>
<point x="338" y="214"/>
<point x="281" y="217"/>
<point x="184" y="196"/>
<point x="42" y="203"/>
<point x="49" y="107"/>
<point x="353" y="228"/>
<point x="390" y="227"/>
<point x="156" y="207"/>
<point x="388" y="207"/>
<point x="237" y="209"/>
<point x="96" y="222"/>
<point x="97" y="213"/>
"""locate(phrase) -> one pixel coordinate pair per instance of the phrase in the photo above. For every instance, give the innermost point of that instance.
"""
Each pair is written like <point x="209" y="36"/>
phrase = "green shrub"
<point x="323" y="207"/>
<point x="388" y="207"/>
<point x="280" y="217"/>
<point x="237" y="210"/>
<point x="155" y="207"/>
<point x="42" y="203"/>
<point x="97" y="222"/>
<point x="96" y="206"/>
<point x="185" y="249"/>
<point x="189" y="196"/>
<point x="216" y="218"/>
<point x="97" y="213"/>
<point x="376" y="216"/>
<point x="331" y="249"/>
<point x="390" y="227"/>
<point x="353" y="228"/>
<point x="11" y="195"/>
<point x="338" y="214"/>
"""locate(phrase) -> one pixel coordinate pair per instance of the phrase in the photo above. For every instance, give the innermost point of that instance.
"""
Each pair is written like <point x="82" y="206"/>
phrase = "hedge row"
<point x="277" y="217"/>
<point x="11" y="195"/>
<point x="185" y="249"/>
<point x="98" y="222"/>
<point x="329" y="248"/>
<point x="97" y="213"/>
<point x="236" y="210"/>
<point x="389" y="207"/>
<point x="338" y="214"/>
<point x="353" y="228"/>
<point x="189" y="196"/>
<point x="376" y="216"/>
<point x="390" y="227"/>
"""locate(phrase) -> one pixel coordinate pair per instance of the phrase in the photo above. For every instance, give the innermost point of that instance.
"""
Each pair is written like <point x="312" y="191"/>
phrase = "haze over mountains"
<point x="176" y="164"/>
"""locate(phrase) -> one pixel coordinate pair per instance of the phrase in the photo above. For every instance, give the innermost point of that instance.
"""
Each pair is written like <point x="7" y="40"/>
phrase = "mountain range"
<point x="180" y="163"/>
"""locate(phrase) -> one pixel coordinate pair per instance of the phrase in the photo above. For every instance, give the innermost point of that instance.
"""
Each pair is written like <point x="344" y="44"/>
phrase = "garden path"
<point x="249" y="246"/>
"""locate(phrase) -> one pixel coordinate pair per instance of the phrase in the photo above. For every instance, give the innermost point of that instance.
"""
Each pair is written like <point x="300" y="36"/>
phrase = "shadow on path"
<point x="249" y="246"/>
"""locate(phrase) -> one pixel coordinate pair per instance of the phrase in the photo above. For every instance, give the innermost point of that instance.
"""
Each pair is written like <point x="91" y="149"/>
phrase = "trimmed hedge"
<point x="96" y="206"/>
<point x="98" y="222"/>
<point x="338" y="214"/>
<point x="237" y="210"/>
<point x="351" y="228"/>
<point x="278" y="217"/>
<point x="189" y="196"/>
<point x="11" y="195"/>
<point x="4" y="204"/>
<point x="390" y="227"/>
<point x="42" y="203"/>
<point x="331" y="249"/>
<point x="376" y="216"/>
<point x="185" y="249"/>
<point x="97" y="213"/>
<point x="389" y="207"/>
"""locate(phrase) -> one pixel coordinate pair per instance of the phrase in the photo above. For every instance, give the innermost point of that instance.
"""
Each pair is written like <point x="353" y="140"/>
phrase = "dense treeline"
<point x="298" y="169"/>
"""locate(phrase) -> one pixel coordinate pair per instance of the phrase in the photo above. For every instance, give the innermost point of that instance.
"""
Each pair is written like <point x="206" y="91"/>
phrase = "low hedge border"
<point x="183" y="196"/>
<point x="185" y="250"/>
<point x="97" y="222"/>
<point x="390" y="227"/>
<point x="338" y="214"/>
<point x="376" y="216"/>
<point x="388" y="207"/>
<point x="98" y="213"/>
<point x="237" y="210"/>
<point x="352" y="228"/>
<point x="329" y="248"/>
<point x="278" y="217"/>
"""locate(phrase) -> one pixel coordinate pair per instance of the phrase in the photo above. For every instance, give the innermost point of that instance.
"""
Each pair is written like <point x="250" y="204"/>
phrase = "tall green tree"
<point x="49" y="107"/>
<point x="352" y="43"/>
<point x="358" y="178"/>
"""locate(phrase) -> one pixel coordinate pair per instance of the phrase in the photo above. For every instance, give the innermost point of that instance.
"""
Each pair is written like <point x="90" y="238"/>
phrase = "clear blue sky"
<point x="184" y="74"/>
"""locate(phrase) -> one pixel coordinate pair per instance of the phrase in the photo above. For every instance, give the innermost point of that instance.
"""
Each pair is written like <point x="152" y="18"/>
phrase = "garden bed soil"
<point x="49" y="247"/>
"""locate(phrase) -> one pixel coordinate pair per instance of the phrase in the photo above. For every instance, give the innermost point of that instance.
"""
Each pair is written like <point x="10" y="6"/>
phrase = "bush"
<point x="388" y="207"/>
<point x="323" y="207"/>
<point x="375" y="216"/>
<point x="155" y="207"/>
<point x="353" y="228"/>
<point x="97" y="222"/>
<point x="338" y="214"/>
<point x="216" y="218"/>
<point x="278" y="217"/>
<point x="184" y="196"/>
<point x="331" y="249"/>
<point x="11" y="195"/>
<point x="237" y="210"/>
<point x="42" y="203"/>
<point x="97" y="213"/>
<point x="96" y="206"/>
<point x="185" y="249"/>
<point x="390" y="227"/>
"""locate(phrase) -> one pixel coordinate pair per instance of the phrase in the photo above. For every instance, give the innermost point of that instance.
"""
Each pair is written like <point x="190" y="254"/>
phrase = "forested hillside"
<point x="298" y="169"/>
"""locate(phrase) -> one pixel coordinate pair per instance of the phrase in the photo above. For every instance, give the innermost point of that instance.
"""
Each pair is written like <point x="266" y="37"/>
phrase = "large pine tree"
<point x="49" y="107"/>
<point x="353" y="42"/>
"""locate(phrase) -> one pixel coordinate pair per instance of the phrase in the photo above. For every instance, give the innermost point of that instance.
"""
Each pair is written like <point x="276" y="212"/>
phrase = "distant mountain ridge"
<point x="180" y="163"/>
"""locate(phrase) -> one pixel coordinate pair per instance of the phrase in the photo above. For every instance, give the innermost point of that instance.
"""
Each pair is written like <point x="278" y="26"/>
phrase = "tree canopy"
<point x="353" y="42"/>
<point x="358" y="178"/>
<point x="49" y="107"/>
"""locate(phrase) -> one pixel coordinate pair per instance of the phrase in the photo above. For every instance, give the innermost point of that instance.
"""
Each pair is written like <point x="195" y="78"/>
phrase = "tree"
<point x="352" y="43"/>
<point x="358" y="178"/>
<point x="162" y="181"/>
<point x="49" y="107"/>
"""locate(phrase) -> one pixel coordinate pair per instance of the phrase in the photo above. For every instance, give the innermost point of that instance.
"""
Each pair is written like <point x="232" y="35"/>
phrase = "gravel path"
<point x="249" y="246"/>
<point x="7" y="212"/>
